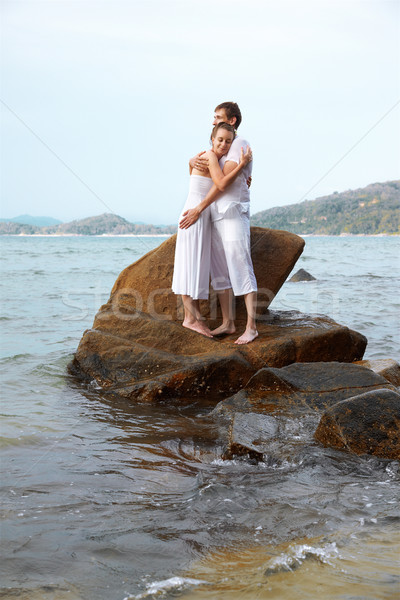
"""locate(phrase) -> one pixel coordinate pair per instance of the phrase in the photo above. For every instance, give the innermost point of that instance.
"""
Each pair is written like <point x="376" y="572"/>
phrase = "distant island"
<point x="30" y="220"/>
<point x="372" y="210"/>
<point x="106" y="224"/>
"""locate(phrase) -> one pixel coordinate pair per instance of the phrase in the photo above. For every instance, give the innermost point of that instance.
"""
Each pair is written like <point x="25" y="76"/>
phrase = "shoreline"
<point x="81" y="235"/>
<point x="166" y="235"/>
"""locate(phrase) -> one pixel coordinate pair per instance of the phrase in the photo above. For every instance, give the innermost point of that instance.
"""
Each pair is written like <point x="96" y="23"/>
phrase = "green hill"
<point x="106" y="224"/>
<point x="371" y="210"/>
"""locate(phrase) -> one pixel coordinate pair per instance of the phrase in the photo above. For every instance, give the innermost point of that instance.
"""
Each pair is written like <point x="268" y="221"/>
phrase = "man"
<point x="231" y="265"/>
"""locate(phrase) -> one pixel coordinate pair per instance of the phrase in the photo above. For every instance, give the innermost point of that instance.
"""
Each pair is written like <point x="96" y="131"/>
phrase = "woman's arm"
<point x="190" y="216"/>
<point x="230" y="173"/>
<point x="221" y="180"/>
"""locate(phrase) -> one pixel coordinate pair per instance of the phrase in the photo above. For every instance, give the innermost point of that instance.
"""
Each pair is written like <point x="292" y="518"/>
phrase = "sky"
<point x="103" y="102"/>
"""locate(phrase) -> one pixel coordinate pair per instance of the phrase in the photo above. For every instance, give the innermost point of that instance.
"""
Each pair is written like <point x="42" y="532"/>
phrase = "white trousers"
<point x="231" y="264"/>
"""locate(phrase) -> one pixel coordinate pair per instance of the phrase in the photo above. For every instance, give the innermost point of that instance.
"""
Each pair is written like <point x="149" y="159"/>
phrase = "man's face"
<point x="221" y="116"/>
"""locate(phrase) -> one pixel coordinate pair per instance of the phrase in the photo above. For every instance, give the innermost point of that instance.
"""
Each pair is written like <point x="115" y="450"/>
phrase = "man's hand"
<point x="201" y="164"/>
<point x="189" y="217"/>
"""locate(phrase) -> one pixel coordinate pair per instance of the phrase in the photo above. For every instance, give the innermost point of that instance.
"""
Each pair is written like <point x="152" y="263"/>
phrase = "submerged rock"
<point x="366" y="424"/>
<point x="249" y="434"/>
<point x="302" y="275"/>
<point x="295" y="391"/>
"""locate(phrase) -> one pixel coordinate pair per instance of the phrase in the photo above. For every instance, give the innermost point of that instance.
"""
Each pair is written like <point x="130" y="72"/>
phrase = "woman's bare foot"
<point x="198" y="326"/>
<point x="248" y="336"/>
<point x="224" y="329"/>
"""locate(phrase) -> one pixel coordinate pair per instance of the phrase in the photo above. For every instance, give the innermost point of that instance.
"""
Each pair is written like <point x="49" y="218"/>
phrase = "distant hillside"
<point x="371" y="210"/>
<point x="30" y="220"/>
<point x="106" y="224"/>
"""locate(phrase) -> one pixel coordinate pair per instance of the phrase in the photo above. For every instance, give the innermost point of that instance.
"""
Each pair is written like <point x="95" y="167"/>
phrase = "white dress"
<point x="193" y="246"/>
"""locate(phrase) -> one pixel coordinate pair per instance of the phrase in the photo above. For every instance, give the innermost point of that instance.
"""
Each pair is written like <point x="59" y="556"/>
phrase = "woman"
<point x="193" y="246"/>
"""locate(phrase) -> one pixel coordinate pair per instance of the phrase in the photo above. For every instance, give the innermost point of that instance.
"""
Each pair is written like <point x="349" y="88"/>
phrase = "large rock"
<point x="147" y="358"/>
<point x="146" y="284"/>
<point x="129" y="358"/>
<point x="137" y="347"/>
<point x="365" y="424"/>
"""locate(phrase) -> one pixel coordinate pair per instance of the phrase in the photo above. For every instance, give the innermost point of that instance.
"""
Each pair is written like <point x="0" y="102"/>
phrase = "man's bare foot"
<point x="198" y="326"/>
<point x="224" y="329"/>
<point x="248" y="336"/>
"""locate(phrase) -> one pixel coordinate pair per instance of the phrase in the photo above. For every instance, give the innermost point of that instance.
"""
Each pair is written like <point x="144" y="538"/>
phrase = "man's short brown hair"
<point x="232" y="110"/>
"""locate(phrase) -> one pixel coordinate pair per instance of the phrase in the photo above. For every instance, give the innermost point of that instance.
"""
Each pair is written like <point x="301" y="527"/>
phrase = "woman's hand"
<point x="246" y="157"/>
<point x="189" y="217"/>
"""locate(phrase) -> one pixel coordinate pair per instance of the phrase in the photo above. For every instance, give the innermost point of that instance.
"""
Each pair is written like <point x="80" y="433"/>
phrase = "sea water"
<point x="103" y="499"/>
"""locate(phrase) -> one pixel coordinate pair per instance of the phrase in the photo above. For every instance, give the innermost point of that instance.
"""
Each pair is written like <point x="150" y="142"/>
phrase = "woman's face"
<point x="222" y="142"/>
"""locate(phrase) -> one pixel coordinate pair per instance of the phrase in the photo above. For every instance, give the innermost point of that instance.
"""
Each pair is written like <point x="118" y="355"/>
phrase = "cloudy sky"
<point x="103" y="102"/>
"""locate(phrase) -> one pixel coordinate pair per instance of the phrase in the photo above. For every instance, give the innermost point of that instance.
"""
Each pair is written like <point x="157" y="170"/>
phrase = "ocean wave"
<point x="24" y="440"/>
<point x="296" y="555"/>
<point x="160" y="588"/>
<point x="15" y="357"/>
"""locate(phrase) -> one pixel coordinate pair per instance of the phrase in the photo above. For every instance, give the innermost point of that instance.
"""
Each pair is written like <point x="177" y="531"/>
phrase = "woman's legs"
<point x="193" y="319"/>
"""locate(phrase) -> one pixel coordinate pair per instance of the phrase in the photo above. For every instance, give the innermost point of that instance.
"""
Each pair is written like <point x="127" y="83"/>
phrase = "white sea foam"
<point x="167" y="585"/>
<point x="296" y="555"/>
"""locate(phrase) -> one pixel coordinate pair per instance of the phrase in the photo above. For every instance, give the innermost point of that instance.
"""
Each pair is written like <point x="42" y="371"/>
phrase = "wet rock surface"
<point x="146" y="358"/>
<point x="365" y="424"/>
<point x="300" y="387"/>
<point x="386" y="367"/>
<point x="313" y="388"/>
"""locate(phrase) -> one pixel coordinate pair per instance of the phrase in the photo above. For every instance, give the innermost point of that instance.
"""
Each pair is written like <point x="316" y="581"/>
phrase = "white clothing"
<point x="231" y="264"/>
<point x="193" y="246"/>
<point x="238" y="191"/>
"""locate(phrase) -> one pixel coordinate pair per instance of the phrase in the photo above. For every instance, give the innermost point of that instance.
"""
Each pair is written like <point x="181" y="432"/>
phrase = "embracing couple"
<point x="214" y="230"/>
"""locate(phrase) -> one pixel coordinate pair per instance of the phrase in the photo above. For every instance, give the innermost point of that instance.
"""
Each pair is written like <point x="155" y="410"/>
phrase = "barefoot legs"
<point x="225" y="298"/>
<point x="193" y="319"/>
<point x="250" y="332"/>
<point x="227" y="327"/>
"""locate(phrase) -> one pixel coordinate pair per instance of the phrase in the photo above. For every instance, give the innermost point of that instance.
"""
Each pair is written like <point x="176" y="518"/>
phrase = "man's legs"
<point x="234" y="233"/>
<point x="250" y="332"/>
<point x="227" y="326"/>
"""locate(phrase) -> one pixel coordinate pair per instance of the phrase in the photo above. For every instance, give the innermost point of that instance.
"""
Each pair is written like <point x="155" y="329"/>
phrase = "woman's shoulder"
<point x="210" y="154"/>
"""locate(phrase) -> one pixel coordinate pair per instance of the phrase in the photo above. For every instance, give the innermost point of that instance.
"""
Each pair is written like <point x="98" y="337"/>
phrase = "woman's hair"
<point x="222" y="125"/>
<point x="232" y="110"/>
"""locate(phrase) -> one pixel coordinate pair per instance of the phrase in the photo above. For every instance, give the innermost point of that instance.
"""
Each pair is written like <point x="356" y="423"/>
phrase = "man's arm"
<point x="198" y="162"/>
